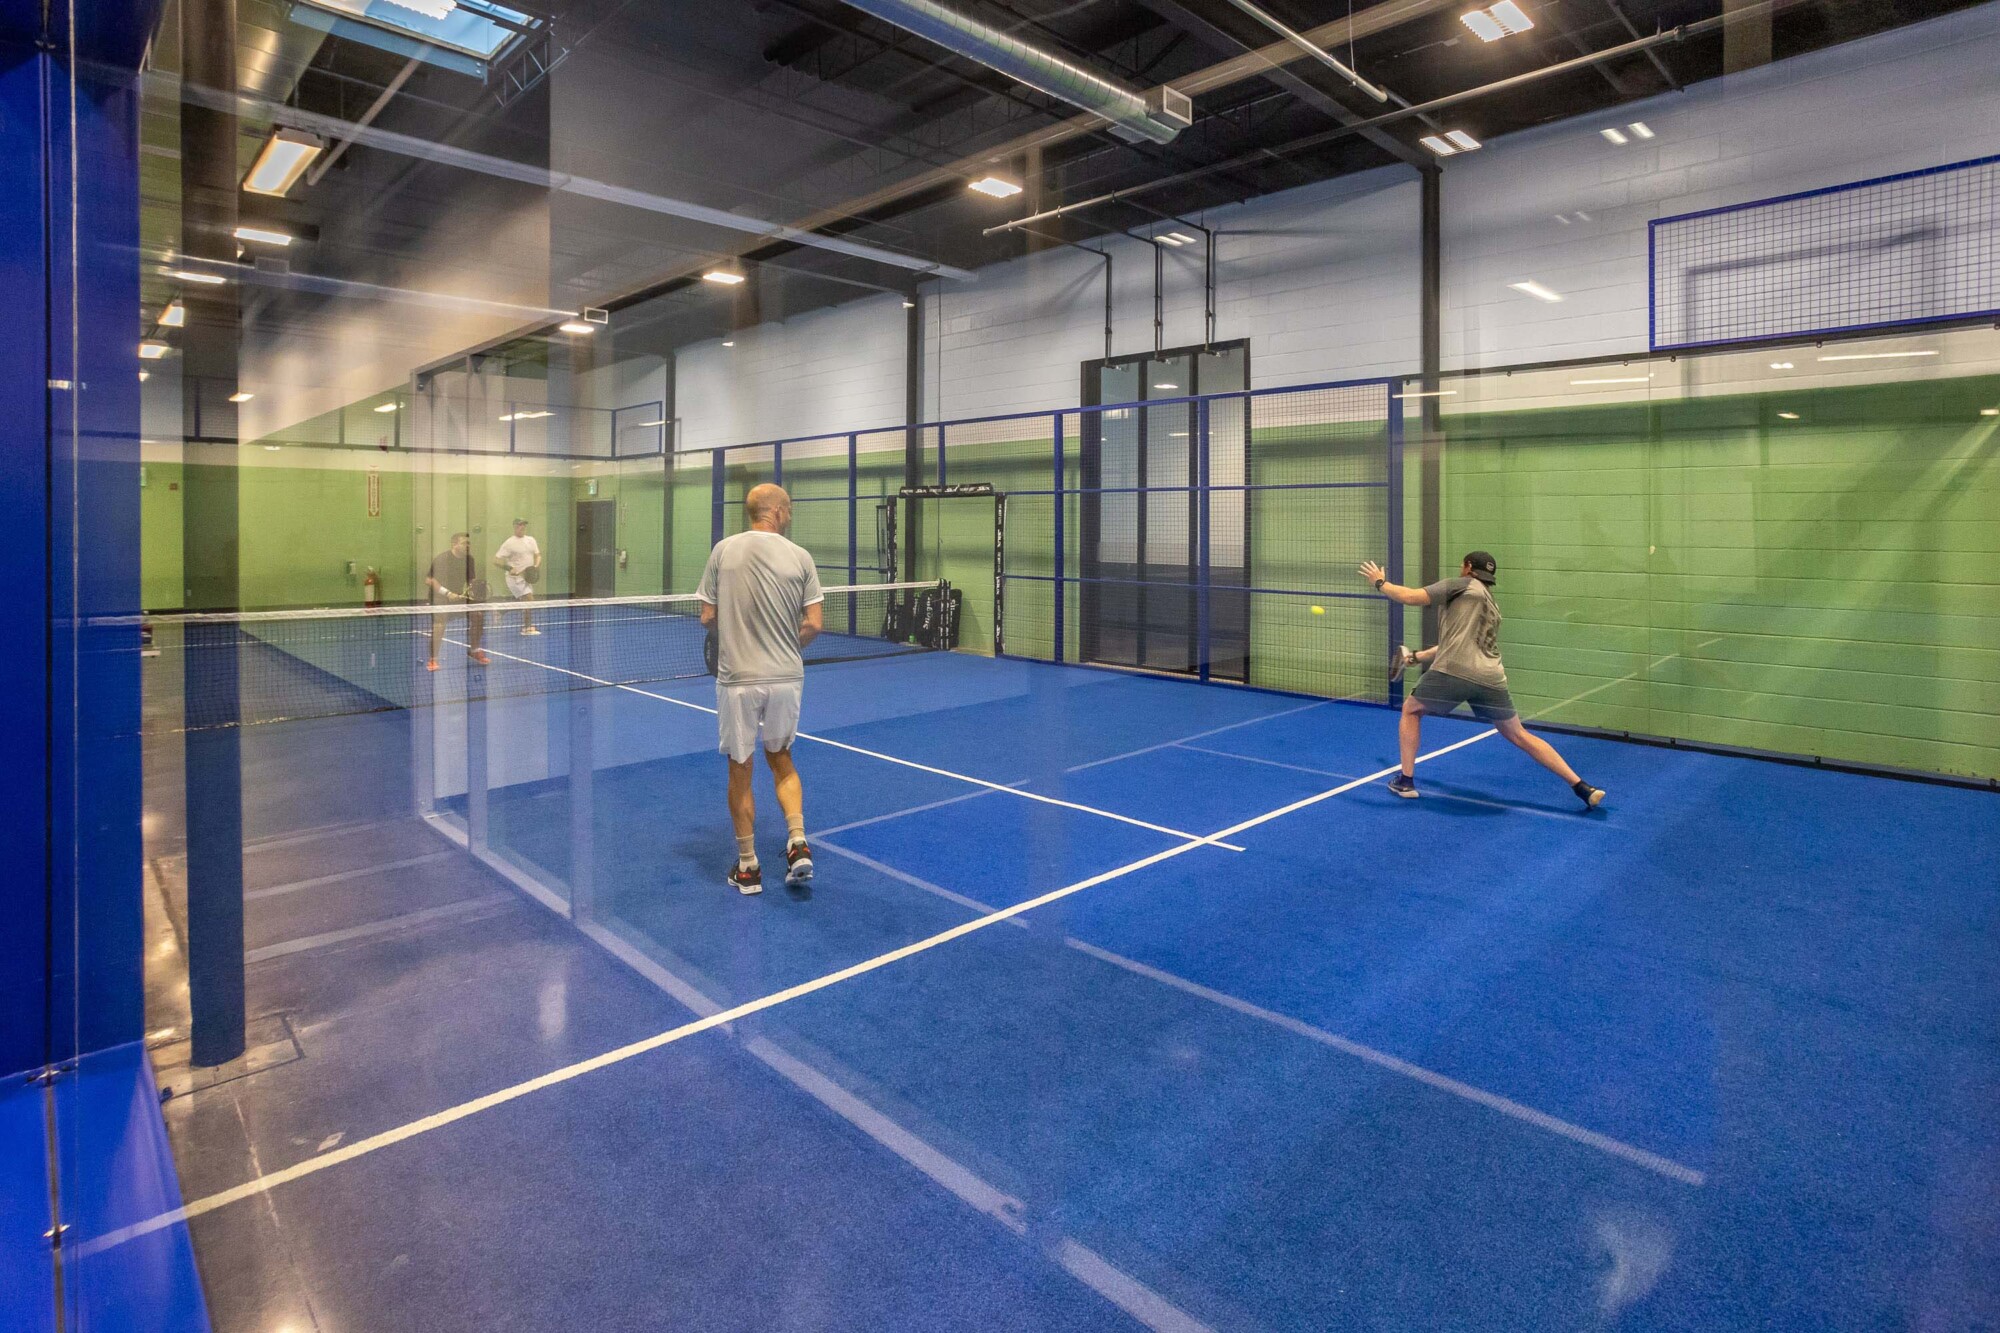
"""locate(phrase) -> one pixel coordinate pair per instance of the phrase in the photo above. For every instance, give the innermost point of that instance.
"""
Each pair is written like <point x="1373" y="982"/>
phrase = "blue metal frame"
<point x="1653" y="342"/>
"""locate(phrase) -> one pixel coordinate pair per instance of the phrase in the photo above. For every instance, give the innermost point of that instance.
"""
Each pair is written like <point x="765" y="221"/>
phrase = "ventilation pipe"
<point x="1156" y="115"/>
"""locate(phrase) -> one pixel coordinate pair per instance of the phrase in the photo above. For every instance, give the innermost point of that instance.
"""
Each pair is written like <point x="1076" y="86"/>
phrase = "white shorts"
<point x="518" y="586"/>
<point x="741" y="711"/>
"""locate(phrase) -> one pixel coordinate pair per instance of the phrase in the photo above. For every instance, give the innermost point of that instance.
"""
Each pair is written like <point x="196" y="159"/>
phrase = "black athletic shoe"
<point x="746" y="881"/>
<point x="1399" y="662"/>
<point x="1589" y="795"/>
<point x="1404" y="787"/>
<point x="798" y="863"/>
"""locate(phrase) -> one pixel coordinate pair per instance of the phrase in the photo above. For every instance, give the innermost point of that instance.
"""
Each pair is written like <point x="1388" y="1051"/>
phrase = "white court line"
<point x="257" y="895"/>
<point x="348" y="1152"/>
<point x="1211" y="839"/>
<point x="1506" y="1106"/>
<point x="898" y="814"/>
<point x="1431" y="793"/>
<point x="1200" y="735"/>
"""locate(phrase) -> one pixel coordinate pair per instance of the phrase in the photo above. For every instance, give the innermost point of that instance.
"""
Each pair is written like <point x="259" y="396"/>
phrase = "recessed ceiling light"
<point x="1615" y="136"/>
<point x="1789" y="416"/>
<point x="1464" y="141"/>
<point x="240" y="397"/>
<point x="1438" y="145"/>
<point x="1536" y="290"/>
<point x="283" y="159"/>
<point x="386" y="407"/>
<point x="204" y="279"/>
<point x="1512" y="17"/>
<point x="723" y="277"/>
<point x="144" y="375"/>
<point x="575" y="326"/>
<point x="1781" y="365"/>
<point x="152" y="351"/>
<point x="1640" y="129"/>
<point x="173" y="316"/>
<point x="1874" y="356"/>
<point x="263" y="235"/>
<point x="1622" y="379"/>
<point x="995" y="187"/>
<point x="1484" y="26"/>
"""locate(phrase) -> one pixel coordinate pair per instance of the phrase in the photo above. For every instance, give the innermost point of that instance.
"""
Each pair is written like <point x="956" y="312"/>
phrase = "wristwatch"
<point x="1379" y="583"/>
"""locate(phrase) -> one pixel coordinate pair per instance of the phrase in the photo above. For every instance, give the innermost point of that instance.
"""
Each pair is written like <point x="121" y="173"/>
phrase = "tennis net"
<point x="246" y="668"/>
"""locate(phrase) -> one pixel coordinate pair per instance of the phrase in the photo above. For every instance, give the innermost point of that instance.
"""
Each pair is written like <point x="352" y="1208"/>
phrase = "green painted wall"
<point x="1708" y="570"/>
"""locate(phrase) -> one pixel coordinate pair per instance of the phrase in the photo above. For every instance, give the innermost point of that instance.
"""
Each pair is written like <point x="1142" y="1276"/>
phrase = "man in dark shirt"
<point x="451" y="580"/>
<point x="1464" y="668"/>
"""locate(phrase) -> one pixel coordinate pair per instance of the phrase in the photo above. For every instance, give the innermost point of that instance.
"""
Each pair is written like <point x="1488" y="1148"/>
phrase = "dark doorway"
<point x="1142" y="507"/>
<point x="596" y="548"/>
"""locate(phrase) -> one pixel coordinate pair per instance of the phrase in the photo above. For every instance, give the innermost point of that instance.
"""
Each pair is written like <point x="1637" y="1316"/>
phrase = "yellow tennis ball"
<point x="1319" y="610"/>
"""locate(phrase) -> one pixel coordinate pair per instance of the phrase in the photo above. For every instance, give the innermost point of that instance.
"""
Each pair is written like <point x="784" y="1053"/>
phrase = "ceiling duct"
<point x="1157" y="115"/>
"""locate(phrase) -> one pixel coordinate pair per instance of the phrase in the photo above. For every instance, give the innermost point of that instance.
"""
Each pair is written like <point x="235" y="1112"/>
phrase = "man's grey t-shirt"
<point x="1468" y="631"/>
<point x="760" y="584"/>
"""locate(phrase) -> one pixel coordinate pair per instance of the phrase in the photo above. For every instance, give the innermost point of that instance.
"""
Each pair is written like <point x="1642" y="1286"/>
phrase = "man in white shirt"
<point x="517" y="555"/>
<point x="761" y="598"/>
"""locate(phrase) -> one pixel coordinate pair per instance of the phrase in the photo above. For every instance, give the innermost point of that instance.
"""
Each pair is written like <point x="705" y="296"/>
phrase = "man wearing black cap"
<point x="1464" y="668"/>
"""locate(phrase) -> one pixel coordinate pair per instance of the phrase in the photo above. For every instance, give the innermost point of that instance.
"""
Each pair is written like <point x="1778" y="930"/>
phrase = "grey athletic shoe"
<point x="1404" y="787"/>
<point x="1399" y="662"/>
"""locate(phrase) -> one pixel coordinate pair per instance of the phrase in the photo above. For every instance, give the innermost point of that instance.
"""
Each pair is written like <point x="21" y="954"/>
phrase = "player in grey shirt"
<point x="761" y="598"/>
<point x="1464" y="668"/>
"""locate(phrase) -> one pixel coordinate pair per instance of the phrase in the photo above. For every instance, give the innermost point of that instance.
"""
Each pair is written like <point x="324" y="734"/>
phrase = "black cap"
<point x="1484" y="567"/>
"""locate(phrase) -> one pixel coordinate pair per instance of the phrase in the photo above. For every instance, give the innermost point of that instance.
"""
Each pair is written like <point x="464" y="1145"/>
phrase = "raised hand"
<point x="1370" y="571"/>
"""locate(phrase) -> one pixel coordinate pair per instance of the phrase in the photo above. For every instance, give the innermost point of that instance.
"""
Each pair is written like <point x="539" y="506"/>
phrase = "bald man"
<point x="760" y="594"/>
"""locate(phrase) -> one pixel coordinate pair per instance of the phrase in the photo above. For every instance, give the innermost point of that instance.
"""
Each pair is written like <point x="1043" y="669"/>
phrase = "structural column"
<point x="1431" y="354"/>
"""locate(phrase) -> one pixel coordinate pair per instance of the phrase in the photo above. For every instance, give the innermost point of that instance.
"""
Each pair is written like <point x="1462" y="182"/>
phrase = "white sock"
<point x="795" y="830"/>
<point x="746" y="852"/>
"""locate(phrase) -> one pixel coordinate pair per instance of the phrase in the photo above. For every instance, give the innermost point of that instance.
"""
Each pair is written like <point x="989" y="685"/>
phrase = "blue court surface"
<point x="1116" y="1002"/>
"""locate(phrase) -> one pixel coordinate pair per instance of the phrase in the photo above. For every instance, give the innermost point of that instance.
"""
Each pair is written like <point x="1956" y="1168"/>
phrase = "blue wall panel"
<point x="24" y="759"/>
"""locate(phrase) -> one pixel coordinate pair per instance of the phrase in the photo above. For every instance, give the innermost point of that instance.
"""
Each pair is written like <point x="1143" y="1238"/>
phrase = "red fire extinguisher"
<point x="371" y="590"/>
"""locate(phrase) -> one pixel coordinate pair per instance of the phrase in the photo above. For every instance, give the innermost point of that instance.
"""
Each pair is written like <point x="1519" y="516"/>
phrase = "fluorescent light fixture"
<point x="152" y="351"/>
<point x="1484" y="26"/>
<point x="1622" y="379"/>
<point x="723" y="277"/>
<point x="1438" y="146"/>
<point x="1874" y="356"/>
<point x="575" y="326"/>
<point x="203" y="279"/>
<point x="1497" y="21"/>
<point x="526" y="416"/>
<point x="1536" y="290"/>
<point x="661" y="422"/>
<point x="272" y="448"/>
<point x="263" y="235"/>
<point x="909" y="305"/>
<point x="1640" y="129"/>
<point x="995" y="187"/>
<point x="1615" y="136"/>
<point x="1178" y="238"/>
<point x="1464" y="141"/>
<point x="1781" y="365"/>
<point x="1428" y="393"/>
<point x="729" y="342"/>
<point x="173" y="316"/>
<point x="386" y="407"/>
<point x="145" y="375"/>
<point x="1788" y="416"/>
<point x="285" y="157"/>
<point x="1984" y="411"/>
<point x="240" y="397"/>
<point x="1166" y="386"/>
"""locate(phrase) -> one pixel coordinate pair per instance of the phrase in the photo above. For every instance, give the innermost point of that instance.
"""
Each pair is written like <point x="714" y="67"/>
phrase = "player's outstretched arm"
<point x="1395" y="592"/>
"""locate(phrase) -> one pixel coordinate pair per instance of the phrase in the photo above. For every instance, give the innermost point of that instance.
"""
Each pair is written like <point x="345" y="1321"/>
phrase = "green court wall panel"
<point x="160" y="584"/>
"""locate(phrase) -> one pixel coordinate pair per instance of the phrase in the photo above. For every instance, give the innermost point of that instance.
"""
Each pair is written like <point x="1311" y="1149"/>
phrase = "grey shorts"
<point x="742" y="712"/>
<point x="1441" y="692"/>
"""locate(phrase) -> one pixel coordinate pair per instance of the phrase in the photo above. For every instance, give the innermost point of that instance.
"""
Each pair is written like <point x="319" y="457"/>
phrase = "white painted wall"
<point x="1323" y="279"/>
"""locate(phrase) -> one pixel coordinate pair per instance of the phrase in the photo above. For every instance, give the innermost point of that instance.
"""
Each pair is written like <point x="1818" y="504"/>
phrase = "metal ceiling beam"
<point x="1179" y="13"/>
<point x="446" y="155"/>
<point x="1678" y="34"/>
